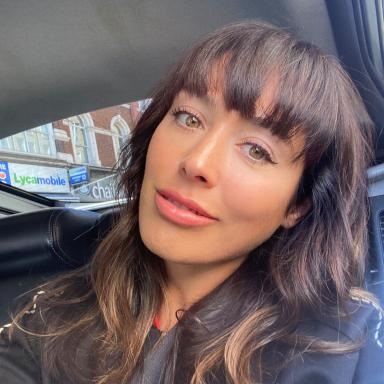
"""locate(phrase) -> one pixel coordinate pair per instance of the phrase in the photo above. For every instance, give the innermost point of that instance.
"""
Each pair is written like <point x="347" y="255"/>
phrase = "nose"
<point x="203" y="161"/>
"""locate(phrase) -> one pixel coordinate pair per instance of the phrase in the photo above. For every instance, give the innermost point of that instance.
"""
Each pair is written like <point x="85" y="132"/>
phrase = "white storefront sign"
<point x="98" y="190"/>
<point x="35" y="178"/>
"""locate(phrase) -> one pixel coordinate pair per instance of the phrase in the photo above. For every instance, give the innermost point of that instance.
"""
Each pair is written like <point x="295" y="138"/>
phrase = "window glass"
<point x="80" y="140"/>
<point x="372" y="31"/>
<point x="72" y="159"/>
<point x="33" y="141"/>
<point x="43" y="139"/>
<point x="19" y="142"/>
<point x="142" y="105"/>
<point x="5" y="143"/>
<point x="121" y="132"/>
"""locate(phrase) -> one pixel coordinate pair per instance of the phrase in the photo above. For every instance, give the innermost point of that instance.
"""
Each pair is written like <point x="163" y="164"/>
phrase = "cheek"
<point x="162" y="153"/>
<point x="258" y="197"/>
<point x="155" y="153"/>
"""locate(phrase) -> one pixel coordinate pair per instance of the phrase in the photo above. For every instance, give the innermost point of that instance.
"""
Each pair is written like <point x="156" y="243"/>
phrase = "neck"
<point x="187" y="284"/>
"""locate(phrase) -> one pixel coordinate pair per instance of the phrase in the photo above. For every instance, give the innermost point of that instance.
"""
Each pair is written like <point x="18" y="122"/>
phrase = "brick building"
<point x="71" y="159"/>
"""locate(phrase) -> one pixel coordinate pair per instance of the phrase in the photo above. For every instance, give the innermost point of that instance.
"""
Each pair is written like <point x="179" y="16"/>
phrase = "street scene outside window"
<point x="72" y="159"/>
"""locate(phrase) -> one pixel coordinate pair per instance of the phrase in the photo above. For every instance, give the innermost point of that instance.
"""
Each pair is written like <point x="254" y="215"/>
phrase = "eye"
<point x="258" y="153"/>
<point x="186" y="118"/>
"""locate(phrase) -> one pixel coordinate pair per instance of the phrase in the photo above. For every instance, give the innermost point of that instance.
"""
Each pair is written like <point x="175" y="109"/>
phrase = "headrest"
<point x="50" y="239"/>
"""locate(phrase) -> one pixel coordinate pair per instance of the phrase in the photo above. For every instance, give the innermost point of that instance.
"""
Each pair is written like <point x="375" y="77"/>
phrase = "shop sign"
<point x="4" y="173"/>
<point x="98" y="190"/>
<point x="78" y="175"/>
<point x="36" y="178"/>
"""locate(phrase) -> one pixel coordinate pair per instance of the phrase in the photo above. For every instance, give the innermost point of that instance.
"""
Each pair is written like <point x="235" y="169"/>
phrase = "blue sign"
<point x="4" y="173"/>
<point x="78" y="175"/>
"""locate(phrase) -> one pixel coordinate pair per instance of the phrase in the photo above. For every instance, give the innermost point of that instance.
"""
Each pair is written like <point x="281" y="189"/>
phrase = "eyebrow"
<point x="257" y="121"/>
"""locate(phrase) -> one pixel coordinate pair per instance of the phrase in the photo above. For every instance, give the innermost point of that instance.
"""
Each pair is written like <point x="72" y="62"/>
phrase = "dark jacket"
<point x="20" y="360"/>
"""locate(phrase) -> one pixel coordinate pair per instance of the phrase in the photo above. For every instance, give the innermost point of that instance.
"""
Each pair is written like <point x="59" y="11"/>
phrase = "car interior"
<point x="59" y="59"/>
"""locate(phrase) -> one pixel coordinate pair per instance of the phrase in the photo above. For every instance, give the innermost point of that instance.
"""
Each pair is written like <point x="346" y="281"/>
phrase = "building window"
<point x="39" y="141"/>
<point x="80" y="141"/>
<point x="142" y="105"/>
<point x="6" y="144"/>
<point x="120" y="132"/>
<point x="83" y="140"/>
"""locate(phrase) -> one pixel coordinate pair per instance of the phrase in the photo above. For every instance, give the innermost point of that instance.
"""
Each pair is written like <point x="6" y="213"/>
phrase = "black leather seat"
<point x="36" y="245"/>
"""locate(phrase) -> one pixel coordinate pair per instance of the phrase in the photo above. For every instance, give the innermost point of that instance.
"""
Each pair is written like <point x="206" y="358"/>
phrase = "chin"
<point x="162" y="249"/>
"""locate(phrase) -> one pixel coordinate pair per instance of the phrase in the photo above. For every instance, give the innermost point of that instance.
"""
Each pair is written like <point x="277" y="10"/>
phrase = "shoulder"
<point x="20" y="353"/>
<point x="361" y="315"/>
<point x="33" y="338"/>
<point x="30" y="315"/>
<point x="363" y="327"/>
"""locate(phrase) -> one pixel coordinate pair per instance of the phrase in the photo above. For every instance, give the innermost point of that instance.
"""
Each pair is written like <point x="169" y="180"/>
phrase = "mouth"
<point x="185" y="212"/>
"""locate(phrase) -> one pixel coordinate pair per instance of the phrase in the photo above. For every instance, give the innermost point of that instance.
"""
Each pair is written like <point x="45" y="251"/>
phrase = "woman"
<point x="240" y="254"/>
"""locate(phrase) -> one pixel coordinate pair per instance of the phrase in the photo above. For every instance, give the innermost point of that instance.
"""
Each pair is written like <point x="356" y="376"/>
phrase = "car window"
<point x="72" y="159"/>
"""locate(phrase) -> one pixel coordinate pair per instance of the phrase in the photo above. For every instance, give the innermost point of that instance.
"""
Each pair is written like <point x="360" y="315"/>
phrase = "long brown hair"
<point x="314" y="265"/>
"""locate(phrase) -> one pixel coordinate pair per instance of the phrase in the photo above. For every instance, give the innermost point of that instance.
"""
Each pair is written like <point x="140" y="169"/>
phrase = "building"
<point x="71" y="159"/>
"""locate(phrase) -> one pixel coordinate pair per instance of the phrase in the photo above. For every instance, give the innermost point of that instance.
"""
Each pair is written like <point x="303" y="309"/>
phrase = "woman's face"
<point x="237" y="171"/>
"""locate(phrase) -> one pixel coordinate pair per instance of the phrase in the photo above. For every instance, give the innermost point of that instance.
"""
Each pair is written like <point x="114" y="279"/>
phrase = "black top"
<point x="20" y="358"/>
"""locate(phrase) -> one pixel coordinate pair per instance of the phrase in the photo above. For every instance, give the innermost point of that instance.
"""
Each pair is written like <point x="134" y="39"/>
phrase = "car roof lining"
<point x="62" y="58"/>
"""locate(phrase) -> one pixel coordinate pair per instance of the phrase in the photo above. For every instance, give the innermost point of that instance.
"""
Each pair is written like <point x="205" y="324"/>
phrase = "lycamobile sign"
<point x="36" y="178"/>
<point x="27" y="180"/>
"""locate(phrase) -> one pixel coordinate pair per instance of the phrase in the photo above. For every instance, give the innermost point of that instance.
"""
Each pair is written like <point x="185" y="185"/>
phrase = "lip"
<point x="169" y="194"/>
<point x="178" y="215"/>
